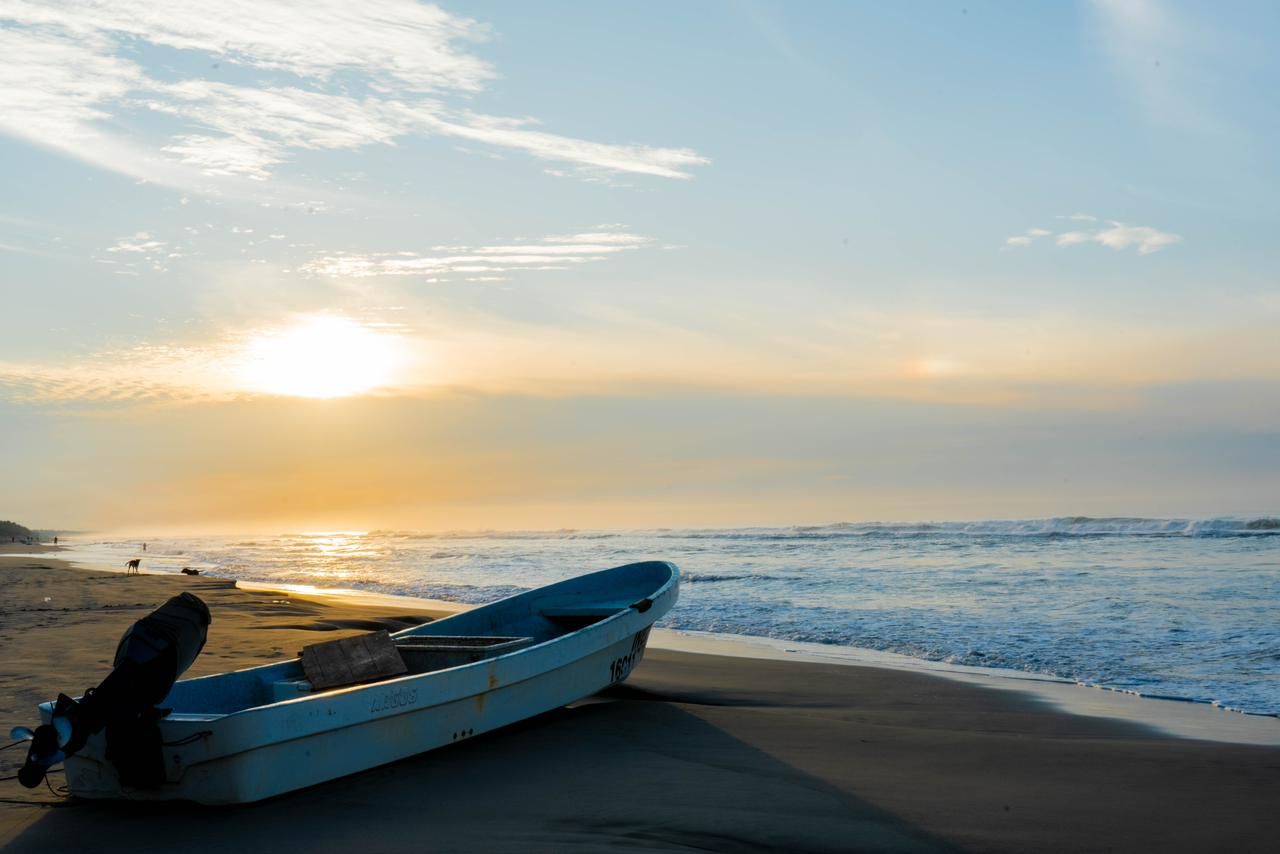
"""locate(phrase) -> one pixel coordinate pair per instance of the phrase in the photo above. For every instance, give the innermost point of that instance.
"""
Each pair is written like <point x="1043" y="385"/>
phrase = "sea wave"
<point x="711" y="578"/>
<point x="1058" y="526"/>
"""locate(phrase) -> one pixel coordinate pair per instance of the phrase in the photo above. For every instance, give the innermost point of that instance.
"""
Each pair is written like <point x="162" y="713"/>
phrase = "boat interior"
<point x="483" y="633"/>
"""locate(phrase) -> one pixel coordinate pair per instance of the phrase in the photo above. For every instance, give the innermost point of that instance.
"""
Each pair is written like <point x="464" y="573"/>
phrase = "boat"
<point x="252" y="734"/>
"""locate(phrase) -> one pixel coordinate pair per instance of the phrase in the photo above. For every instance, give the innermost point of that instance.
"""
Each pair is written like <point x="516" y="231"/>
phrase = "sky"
<point x="326" y="265"/>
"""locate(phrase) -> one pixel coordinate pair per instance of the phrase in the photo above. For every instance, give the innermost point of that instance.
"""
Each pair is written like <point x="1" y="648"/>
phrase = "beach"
<point x="694" y="751"/>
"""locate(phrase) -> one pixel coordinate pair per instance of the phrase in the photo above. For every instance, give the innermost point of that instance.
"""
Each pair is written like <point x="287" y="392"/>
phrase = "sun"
<point x="320" y="356"/>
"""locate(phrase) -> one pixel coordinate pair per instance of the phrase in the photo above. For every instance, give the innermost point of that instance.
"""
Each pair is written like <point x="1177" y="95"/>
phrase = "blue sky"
<point x="925" y="244"/>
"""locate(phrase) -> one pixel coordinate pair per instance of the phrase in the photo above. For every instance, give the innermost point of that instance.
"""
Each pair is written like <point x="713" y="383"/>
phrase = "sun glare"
<point x="322" y="357"/>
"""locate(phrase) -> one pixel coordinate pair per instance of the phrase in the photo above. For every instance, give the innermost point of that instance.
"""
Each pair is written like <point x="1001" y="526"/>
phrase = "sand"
<point x="694" y="752"/>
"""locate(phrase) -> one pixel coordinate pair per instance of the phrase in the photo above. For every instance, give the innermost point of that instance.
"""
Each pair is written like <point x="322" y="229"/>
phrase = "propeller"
<point x="43" y="753"/>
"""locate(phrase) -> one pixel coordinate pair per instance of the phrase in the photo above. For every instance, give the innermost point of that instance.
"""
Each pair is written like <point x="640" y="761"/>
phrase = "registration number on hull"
<point x="620" y="668"/>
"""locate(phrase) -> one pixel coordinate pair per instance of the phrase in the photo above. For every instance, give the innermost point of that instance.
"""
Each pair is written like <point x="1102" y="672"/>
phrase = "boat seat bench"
<point x="451" y="642"/>
<point x="420" y="654"/>
<point x="426" y="653"/>
<point x="596" y="610"/>
<point x="194" y="716"/>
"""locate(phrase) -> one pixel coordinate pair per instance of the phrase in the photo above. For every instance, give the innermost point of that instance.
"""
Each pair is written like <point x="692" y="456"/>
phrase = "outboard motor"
<point x="151" y="656"/>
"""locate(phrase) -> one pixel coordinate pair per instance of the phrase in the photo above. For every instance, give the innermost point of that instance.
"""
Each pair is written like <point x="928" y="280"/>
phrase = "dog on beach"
<point x="131" y="567"/>
<point x="186" y="570"/>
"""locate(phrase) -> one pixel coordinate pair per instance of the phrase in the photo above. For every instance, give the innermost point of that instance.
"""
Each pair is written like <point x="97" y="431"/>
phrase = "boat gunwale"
<point x="182" y="725"/>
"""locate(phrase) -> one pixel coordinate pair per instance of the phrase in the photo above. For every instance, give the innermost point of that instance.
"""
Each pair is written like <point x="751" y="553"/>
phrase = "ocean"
<point x="1175" y="608"/>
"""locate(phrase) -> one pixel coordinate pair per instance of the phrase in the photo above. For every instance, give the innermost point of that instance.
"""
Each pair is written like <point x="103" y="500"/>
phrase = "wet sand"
<point x="697" y="752"/>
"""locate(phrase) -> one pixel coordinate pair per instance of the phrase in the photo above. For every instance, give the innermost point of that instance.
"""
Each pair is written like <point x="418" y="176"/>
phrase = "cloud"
<point x="555" y="252"/>
<point x="1120" y="236"/>
<point x="1027" y="238"/>
<point x="56" y="85"/>
<point x="396" y="43"/>
<point x="300" y="76"/>
<point x="1071" y="238"/>
<point x="1117" y="235"/>
<point x="258" y="128"/>
<point x="140" y="242"/>
<point x="142" y="374"/>
<point x="1145" y="238"/>
<point x="129" y="254"/>
<point x="640" y="159"/>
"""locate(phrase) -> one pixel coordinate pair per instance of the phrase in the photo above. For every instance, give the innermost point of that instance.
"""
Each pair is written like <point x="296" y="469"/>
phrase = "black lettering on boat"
<point x="620" y="668"/>
<point x="638" y="643"/>
<point x="394" y="700"/>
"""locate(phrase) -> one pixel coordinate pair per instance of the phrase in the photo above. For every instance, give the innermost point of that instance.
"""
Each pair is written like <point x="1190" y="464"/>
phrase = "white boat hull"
<point x="263" y="751"/>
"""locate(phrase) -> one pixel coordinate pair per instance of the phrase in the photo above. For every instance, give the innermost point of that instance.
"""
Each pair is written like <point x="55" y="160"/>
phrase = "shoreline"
<point x="1176" y="717"/>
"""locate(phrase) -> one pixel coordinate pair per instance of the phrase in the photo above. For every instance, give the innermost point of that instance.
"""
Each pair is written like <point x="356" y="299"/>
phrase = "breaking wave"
<point x="710" y="578"/>
<point x="1059" y="526"/>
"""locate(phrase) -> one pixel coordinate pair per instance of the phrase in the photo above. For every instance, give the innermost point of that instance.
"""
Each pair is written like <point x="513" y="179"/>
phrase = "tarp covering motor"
<point x="150" y="657"/>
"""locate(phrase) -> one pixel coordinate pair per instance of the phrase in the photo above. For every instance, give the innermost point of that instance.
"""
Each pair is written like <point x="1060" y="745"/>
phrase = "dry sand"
<point x="694" y="752"/>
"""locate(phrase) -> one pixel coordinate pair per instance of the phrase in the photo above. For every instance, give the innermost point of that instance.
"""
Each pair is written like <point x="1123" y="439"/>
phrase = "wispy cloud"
<point x="256" y="129"/>
<point x="55" y="85"/>
<point x="1116" y="235"/>
<point x="555" y="252"/>
<point x="140" y="243"/>
<point x="397" y="43"/>
<point x="509" y="133"/>
<point x="325" y="75"/>
<point x="141" y="249"/>
<point x="1120" y="236"/>
<point x="142" y="374"/>
<point x="1028" y="237"/>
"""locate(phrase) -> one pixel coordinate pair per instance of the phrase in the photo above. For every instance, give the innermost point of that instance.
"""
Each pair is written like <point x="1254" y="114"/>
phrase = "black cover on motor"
<point x="151" y="656"/>
<point x="176" y="632"/>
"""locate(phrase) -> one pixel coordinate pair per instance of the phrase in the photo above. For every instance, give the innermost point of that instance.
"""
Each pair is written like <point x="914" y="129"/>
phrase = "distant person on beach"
<point x="55" y="541"/>
<point x="144" y="547"/>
